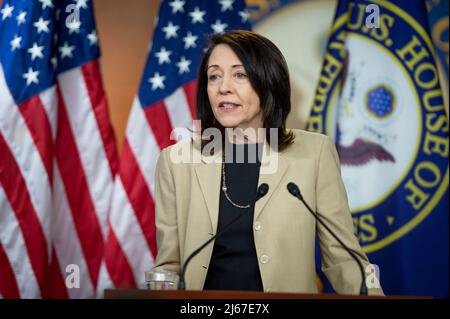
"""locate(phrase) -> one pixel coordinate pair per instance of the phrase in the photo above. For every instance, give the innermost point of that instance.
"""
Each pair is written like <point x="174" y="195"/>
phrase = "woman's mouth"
<point x="228" y="106"/>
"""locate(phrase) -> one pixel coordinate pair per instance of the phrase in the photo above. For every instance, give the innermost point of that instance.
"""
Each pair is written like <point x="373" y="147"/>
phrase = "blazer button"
<point x="264" y="259"/>
<point x="257" y="226"/>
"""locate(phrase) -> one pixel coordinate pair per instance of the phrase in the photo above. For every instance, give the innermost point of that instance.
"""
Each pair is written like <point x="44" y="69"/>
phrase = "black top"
<point x="234" y="263"/>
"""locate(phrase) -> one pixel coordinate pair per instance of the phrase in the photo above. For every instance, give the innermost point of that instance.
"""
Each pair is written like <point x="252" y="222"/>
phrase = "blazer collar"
<point x="273" y="167"/>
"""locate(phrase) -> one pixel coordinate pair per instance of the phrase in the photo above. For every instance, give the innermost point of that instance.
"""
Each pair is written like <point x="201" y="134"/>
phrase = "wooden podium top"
<point x="213" y="294"/>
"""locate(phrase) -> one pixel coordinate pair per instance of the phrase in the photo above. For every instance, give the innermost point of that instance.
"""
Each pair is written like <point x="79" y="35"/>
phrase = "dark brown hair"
<point x="268" y="74"/>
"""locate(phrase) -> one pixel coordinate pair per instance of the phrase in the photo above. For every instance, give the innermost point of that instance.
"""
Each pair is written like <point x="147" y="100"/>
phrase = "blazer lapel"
<point x="271" y="177"/>
<point x="209" y="177"/>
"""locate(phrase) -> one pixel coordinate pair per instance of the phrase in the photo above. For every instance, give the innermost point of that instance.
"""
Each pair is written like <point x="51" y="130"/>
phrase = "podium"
<point x="216" y="294"/>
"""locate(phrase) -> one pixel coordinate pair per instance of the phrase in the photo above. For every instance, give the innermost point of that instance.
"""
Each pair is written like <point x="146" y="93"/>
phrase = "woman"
<point x="244" y="84"/>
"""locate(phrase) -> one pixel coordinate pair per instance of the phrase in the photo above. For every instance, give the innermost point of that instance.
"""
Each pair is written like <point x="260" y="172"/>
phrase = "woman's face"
<point x="234" y="102"/>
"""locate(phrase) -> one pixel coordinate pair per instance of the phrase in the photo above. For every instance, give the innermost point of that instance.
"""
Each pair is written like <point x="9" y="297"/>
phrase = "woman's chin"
<point x="229" y="123"/>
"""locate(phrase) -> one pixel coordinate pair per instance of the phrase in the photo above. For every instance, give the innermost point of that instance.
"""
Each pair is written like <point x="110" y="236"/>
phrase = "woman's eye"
<point x="213" y="77"/>
<point x="240" y="75"/>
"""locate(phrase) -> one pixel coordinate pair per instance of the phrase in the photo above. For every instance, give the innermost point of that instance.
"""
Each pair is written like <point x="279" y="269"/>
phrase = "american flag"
<point x="165" y="101"/>
<point x="57" y="150"/>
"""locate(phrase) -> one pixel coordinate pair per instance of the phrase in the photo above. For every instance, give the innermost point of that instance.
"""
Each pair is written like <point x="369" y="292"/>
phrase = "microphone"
<point x="263" y="189"/>
<point x="295" y="191"/>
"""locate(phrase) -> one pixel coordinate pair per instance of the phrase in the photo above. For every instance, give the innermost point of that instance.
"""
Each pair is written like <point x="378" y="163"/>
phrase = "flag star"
<point x="46" y="3"/>
<point x="219" y="27"/>
<point x="171" y="30"/>
<point x="66" y="50"/>
<point x="15" y="43"/>
<point x="197" y="15"/>
<point x="226" y="5"/>
<point x="31" y="76"/>
<point x="93" y="38"/>
<point x="157" y="81"/>
<point x="81" y="4"/>
<point x="42" y="25"/>
<point x="74" y="26"/>
<point x="7" y="11"/>
<point x="245" y="15"/>
<point x="177" y="6"/>
<point x="183" y="65"/>
<point x="36" y="51"/>
<point x="189" y="40"/>
<point x="163" y="56"/>
<point x="21" y="17"/>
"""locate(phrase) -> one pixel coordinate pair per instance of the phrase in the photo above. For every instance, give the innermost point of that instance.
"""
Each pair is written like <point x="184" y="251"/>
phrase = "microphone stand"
<point x="295" y="191"/>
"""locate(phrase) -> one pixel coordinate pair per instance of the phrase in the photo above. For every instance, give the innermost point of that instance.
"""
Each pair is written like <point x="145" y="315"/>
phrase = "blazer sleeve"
<point x="332" y="205"/>
<point x="168" y="257"/>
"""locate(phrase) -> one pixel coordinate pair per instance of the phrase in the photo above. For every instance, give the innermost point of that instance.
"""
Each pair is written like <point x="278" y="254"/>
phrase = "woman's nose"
<point x="225" y="85"/>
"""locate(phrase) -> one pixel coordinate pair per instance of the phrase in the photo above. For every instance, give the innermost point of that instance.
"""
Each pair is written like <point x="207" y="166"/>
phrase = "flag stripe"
<point x="130" y="234"/>
<point x="29" y="162"/>
<point x="190" y="90"/>
<point x="8" y="283"/>
<point x="159" y="121"/>
<point x="178" y="110"/>
<point x="78" y="195"/>
<point x="88" y="141"/>
<point x="69" y="251"/>
<point x="38" y="124"/>
<point x="142" y="144"/>
<point x="117" y="263"/>
<point x="13" y="244"/>
<point x="47" y="107"/>
<point x="17" y="194"/>
<point x="48" y="100"/>
<point x="56" y="288"/>
<point x="139" y="195"/>
<point x="92" y="78"/>
<point x="104" y="280"/>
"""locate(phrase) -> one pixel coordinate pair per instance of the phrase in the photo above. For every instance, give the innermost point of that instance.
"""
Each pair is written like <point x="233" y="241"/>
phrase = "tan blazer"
<point x="187" y="207"/>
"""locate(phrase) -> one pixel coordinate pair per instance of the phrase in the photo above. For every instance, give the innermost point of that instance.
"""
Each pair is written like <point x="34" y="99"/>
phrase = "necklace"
<point x="224" y="189"/>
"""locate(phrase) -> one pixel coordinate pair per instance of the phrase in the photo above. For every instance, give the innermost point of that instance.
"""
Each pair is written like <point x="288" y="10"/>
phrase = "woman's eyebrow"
<point x="217" y="66"/>
<point x="212" y="66"/>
